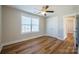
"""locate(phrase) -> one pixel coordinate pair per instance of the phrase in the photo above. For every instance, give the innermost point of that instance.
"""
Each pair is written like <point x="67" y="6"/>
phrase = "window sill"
<point x="29" y="32"/>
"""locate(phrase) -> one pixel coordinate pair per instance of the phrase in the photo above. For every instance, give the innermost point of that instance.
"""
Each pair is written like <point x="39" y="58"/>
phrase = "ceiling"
<point x="33" y="8"/>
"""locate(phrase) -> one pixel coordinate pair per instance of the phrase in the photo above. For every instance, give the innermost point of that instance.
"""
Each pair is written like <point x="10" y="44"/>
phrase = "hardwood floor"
<point x="42" y="45"/>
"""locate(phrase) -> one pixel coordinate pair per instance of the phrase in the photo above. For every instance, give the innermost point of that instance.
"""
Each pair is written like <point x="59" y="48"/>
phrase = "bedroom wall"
<point x="60" y="12"/>
<point x="12" y="26"/>
<point x="52" y="26"/>
<point x="0" y="29"/>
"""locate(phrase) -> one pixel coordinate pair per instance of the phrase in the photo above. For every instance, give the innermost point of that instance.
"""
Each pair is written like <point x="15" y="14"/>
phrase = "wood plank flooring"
<point x="41" y="45"/>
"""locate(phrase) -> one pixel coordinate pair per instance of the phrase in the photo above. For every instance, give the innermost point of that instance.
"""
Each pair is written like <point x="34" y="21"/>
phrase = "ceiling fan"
<point x="45" y="10"/>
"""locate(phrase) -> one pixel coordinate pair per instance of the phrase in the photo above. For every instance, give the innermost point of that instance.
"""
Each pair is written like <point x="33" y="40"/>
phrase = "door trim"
<point x="74" y="14"/>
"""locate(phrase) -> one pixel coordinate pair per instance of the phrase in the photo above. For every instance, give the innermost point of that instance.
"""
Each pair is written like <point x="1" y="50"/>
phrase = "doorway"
<point x="69" y="26"/>
<point x="70" y="29"/>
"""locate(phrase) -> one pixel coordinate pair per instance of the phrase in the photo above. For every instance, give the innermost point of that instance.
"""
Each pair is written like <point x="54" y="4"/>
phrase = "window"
<point x="35" y="25"/>
<point x="26" y="24"/>
<point x="30" y="24"/>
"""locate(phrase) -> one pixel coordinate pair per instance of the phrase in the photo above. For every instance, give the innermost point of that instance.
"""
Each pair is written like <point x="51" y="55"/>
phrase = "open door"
<point x="69" y="26"/>
<point x="77" y="30"/>
<point x="70" y="29"/>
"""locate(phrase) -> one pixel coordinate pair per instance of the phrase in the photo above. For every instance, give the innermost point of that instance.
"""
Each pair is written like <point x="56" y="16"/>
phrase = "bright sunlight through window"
<point x="29" y="24"/>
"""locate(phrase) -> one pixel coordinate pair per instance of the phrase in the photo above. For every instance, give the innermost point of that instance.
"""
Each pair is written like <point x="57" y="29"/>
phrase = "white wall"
<point x="76" y="8"/>
<point x="60" y="12"/>
<point x="0" y="29"/>
<point x="52" y="26"/>
<point x="12" y="25"/>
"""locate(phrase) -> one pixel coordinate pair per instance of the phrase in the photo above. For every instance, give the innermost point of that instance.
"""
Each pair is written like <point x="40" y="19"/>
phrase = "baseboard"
<point x="55" y="36"/>
<point x="12" y="42"/>
<point x="8" y="43"/>
<point x="65" y="37"/>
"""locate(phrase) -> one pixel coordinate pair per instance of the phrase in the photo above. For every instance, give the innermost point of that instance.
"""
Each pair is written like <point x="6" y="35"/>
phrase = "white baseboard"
<point x="55" y="37"/>
<point x="12" y="42"/>
<point x="65" y="37"/>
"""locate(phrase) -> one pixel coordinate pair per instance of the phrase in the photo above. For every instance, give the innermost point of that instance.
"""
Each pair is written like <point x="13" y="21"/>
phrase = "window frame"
<point x="31" y="26"/>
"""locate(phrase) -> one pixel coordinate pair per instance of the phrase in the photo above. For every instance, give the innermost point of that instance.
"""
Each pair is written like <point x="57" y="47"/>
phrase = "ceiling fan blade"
<point x="38" y="13"/>
<point x="37" y="9"/>
<point x="46" y="7"/>
<point x="50" y="11"/>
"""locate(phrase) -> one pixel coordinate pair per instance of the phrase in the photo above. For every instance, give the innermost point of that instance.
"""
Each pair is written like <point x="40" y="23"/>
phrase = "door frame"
<point x="74" y="14"/>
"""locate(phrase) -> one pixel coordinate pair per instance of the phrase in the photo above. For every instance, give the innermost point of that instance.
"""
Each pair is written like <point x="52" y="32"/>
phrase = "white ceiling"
<point x="33" y="8"/>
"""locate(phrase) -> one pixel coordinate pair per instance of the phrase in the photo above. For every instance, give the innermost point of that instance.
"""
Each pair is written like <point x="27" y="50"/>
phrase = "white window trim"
<point x="31" y="26"/>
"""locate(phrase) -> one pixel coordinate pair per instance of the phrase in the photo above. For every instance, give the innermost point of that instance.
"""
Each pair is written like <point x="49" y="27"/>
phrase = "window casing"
<point x="29" y="24"/>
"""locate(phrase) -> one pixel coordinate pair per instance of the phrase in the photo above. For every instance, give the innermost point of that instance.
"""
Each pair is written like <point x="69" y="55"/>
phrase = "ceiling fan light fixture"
<point x="43" y="13"/>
